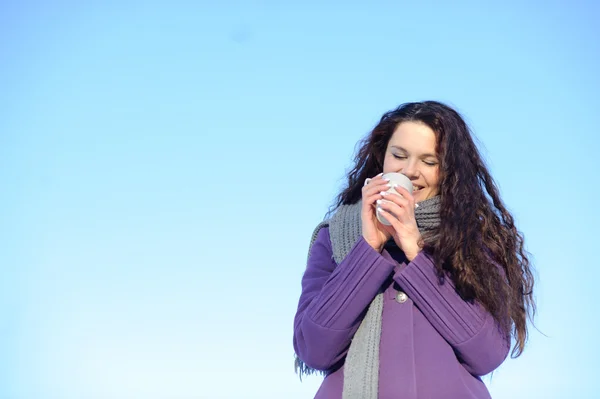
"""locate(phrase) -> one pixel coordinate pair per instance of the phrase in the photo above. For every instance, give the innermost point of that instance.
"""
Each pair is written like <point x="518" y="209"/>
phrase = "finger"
<point x="390" y="207"/>
<point x="398" y="199"/>
<point x="369" y="179"/>
<point x="369" y="201"/>
<point x="375" y="186"/>
<point x="377" y="179"/>
<point x="390" y="218"/>
<point x="406" y="194"/>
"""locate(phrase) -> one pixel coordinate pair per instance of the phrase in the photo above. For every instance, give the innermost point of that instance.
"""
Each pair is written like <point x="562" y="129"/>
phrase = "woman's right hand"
<point x="373" y="231"/>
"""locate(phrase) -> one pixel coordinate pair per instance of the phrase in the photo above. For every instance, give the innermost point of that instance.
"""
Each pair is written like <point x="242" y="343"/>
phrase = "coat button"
<point x="401" y="297"/>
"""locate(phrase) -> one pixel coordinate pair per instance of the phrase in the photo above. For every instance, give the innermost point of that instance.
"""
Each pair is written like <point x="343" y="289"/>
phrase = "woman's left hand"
<point x="399" y="210"/>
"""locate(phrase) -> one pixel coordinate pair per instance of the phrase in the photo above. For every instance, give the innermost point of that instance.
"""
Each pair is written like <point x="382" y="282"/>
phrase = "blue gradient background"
<point x="163" y="165"/>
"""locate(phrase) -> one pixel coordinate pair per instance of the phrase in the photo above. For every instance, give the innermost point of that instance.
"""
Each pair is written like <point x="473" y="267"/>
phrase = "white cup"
<point x="396" y="179"/>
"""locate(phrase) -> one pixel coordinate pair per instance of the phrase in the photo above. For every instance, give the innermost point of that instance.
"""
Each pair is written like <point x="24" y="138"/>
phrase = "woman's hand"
<point x="399" y="210"/>
<point x="373" y="231"/>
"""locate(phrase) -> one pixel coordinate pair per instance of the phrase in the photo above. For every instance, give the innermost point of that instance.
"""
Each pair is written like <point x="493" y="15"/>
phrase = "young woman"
<point x="425" y="307"/>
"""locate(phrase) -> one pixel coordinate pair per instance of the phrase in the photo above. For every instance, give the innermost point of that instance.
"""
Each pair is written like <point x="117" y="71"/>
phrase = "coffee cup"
<point x="396" y="179"/>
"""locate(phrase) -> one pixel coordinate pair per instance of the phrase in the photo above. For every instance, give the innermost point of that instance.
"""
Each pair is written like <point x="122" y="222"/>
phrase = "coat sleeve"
<point x="334" y="299"/>
<point x="477" y="339"/>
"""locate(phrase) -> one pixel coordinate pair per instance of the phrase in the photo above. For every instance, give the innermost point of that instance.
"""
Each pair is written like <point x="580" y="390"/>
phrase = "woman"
<point x="425" y="307"/>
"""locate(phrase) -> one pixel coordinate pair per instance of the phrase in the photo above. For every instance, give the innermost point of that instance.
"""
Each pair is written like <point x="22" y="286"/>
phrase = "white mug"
<point x="396" y="179"/>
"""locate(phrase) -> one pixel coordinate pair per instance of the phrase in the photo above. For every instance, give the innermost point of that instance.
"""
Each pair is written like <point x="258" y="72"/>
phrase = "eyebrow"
<point x="423" y="155"/>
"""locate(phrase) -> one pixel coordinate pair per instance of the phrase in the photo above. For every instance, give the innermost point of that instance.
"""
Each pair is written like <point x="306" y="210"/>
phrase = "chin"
<point x="422" y="196"/>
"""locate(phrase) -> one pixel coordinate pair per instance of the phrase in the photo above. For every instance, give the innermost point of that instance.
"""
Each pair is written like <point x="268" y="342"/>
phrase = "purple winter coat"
<point x="433" y="344"/>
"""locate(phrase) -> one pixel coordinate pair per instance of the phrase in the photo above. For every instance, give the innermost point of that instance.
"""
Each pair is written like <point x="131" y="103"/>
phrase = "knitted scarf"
<point x="361" y="367"/>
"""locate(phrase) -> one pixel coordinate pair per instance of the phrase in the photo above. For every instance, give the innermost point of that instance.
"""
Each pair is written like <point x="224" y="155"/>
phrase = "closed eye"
<point x="428" y="163"/>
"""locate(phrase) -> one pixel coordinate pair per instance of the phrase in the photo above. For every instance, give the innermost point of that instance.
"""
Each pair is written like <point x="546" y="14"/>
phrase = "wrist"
<point x="412" y="255"/>
<point x="412" y="252"/>
<point x="375" y="246"/>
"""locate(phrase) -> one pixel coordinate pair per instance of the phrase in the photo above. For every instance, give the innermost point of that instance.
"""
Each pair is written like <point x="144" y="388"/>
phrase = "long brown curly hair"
<point x="476" y="230"/>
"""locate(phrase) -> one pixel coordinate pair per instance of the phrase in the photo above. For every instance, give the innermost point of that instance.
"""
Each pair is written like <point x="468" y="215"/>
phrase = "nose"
<point x="410" y="170"/>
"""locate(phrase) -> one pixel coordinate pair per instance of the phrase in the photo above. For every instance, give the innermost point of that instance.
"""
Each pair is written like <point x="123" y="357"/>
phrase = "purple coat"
<point x="433" y="344"/>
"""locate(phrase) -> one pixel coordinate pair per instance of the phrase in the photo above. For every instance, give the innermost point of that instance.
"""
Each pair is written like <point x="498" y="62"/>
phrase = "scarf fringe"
<point x="302" y="369"/>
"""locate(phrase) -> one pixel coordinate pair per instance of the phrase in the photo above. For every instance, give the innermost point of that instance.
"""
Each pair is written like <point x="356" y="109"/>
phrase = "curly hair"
<point x="476" y="244"/>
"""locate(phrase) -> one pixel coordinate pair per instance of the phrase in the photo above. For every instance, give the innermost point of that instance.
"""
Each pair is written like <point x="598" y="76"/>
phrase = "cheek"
<point x="391" y="164"/>
<point x="432" y="178"/>
<point x="388" y="164"/>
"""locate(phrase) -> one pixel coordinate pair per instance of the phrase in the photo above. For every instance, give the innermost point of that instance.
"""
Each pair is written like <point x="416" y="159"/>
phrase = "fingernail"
<point x="386" y="179"/>
<point x="379" y="202"/>
<point x="381" y="174"/>
<point x="384" y="193"/>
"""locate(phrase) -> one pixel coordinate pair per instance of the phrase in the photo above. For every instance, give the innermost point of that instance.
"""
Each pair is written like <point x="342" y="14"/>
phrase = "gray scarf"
<point x="361" y="367"/>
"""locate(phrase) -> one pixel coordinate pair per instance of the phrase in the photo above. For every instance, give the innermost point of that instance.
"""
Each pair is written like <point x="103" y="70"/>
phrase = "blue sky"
<point x="163" y="165"/>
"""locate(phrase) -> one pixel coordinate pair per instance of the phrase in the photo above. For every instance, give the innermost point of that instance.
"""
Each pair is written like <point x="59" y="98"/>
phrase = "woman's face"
<point x="411" y="151"/>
